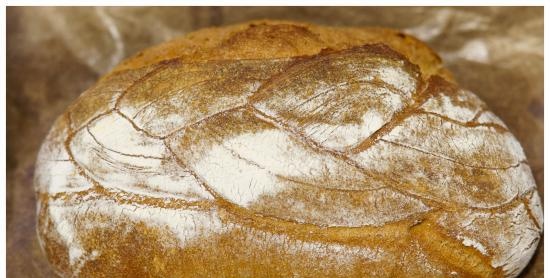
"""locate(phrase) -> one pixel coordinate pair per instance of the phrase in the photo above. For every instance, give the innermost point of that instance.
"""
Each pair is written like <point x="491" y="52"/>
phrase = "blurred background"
<point x="54" y="54"/>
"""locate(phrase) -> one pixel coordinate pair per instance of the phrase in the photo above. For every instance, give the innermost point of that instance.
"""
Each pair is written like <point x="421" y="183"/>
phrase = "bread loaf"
<point x="284" y="149"/>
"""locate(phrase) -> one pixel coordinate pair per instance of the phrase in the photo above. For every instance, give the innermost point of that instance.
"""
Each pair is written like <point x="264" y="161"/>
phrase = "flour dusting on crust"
<point x="346" y="159"/>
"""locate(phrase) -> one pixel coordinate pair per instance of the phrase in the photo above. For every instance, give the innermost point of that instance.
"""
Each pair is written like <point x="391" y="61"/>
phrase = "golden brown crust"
<point x="270" y="39"/>
<point x="276" y="148"/>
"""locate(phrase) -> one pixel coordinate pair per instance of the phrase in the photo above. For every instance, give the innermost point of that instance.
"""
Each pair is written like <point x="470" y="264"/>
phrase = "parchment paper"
<point x="53" y="54"/>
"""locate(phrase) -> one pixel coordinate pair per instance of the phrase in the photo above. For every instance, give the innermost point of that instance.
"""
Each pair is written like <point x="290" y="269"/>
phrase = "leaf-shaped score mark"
<point x="116" y="155"/>
<point x="442" y="180"/>
<point x="457" y="104"/>
<point x="179" y="94"/>
<point x="55" y="172"/>
<point x="476" y="146"/>
<point x="101" y="98"/>
<point x="340" y="99"/>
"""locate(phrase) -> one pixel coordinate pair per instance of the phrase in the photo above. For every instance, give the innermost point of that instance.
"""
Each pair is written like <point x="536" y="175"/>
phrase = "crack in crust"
<point x="453" y="160"/>
<point x="471" y="123"/>
<point x="426" y="91"/>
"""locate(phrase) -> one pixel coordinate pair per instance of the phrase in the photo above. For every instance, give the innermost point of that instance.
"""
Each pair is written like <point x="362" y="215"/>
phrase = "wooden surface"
<point x="53" y="54"/>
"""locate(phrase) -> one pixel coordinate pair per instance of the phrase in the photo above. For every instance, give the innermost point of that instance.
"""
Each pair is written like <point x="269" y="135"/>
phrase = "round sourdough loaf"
<point x="284" y="149"/>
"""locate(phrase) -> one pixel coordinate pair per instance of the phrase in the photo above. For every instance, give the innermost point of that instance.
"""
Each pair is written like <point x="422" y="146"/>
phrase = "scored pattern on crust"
<point x="351" y="139"/>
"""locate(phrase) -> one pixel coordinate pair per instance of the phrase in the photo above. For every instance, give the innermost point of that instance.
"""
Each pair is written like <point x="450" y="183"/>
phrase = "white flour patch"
<point x="436" y="178"/>
<point x="253" y="86"/>
<point x="510" y="235"/>
<point x="343" y="136"/>
<point x="522" y="178"/>
<point x="488" y="117"/>
<point x="234" y="178"/>
<point x="398" y="78"/>
<point x="64" y="224"/>
<point x="535" y="206"/>
<point x="518" y="243"/>
<point x="473" y="243"/>
<point x="118" y="156"/>
<point x="443" y="105"/>
<point x="115" y="133"/>
<point x="394" y="102"/>
<point x="281" y="155"/>
<point x="375" y="158"/>
<point x="54" y="171"/>
<point x="479" y="146"/>
<point x="60" y="176"/>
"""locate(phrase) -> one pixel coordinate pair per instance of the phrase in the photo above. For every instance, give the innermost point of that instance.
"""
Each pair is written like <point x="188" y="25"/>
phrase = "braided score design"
<point x="330" y="157"/>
